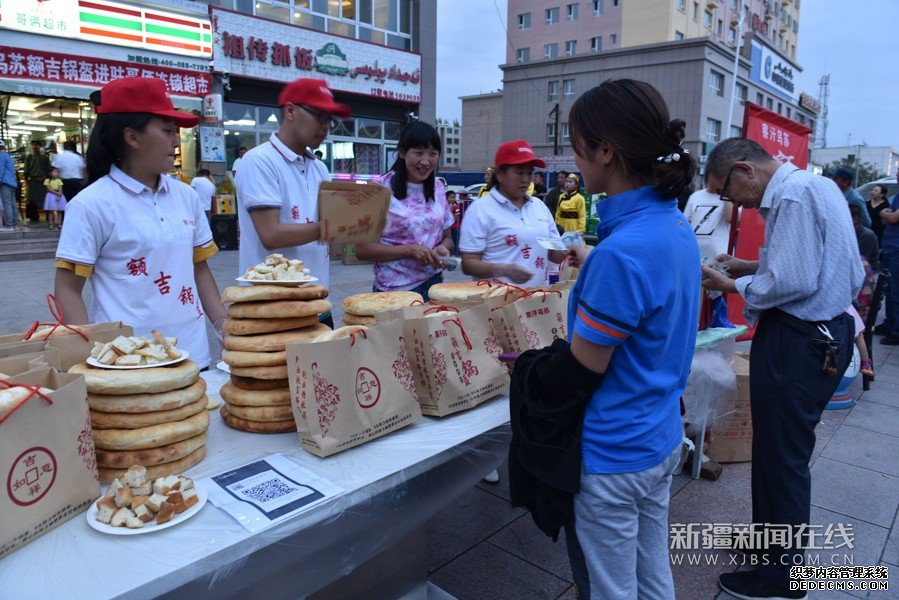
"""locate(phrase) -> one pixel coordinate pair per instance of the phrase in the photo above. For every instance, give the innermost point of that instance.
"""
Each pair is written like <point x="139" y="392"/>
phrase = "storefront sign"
<point x="20" y="63"/>
<point x="261" y="49"/>
<point x="110" y="23"/>
<point x="772" y="71"/>
<point x="809" y="103"/>
<point x="212" y="108"/>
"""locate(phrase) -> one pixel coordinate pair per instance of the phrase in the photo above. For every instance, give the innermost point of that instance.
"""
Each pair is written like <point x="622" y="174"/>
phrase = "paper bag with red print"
<point x="537" y="320"/>
<point x="47" y="463"/>
<point x="454" y="358"/>
<point x="422" y="309"/>
<point x="352" y="212"/>
<point x="349" y="391"/>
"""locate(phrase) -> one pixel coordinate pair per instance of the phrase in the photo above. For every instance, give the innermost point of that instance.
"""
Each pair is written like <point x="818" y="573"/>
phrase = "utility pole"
<point x="821" y="123"/>
<point x="733" y="88"/>
<point x="557" y="145"/>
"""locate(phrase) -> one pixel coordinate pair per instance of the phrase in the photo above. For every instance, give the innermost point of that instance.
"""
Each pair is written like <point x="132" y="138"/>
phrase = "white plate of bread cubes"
<point x="277" y="270"/>
<point x="137" y="352"/>
<point x="134" y="504"/>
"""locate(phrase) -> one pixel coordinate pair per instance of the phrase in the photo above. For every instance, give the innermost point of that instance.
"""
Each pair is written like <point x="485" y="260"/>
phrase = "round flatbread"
<point x="254" y="326"/>
<point x="257" y="426"/>
<point x="456" y="291"/>
<point x="261" y="372"/>
<point x="278" y="309"/>
<point x="262" y="414"/>
<point x="143" y="403"/>
<point x="251" y="384"/>
<point x="112" y="420"/>
<point x="258" y="293"/>
<point x="351" y="319"/>
<point x="122" y="459"/>
<point x="371" y="303"/>
<point x="235" y="396"/>
<point x="213" y="402"/>
<point x="272" y="342"/>
<point x="175" y="467"/>
<point x="340" y="333"/>
<point x="138" y="381"/>
<point x="237" y="358"/>
<point x="152" y="436"/>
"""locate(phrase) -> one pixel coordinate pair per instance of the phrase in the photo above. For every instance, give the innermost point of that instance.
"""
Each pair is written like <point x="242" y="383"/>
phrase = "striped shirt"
<point x="810" y="265"/>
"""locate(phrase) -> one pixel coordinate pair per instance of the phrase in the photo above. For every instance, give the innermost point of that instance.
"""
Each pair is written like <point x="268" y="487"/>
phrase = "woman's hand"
<point x="516" y="273"/>
<point x="578" y="255"/>
<point x="714" y="281"/>
<point x="737" y="267"/>
<point x="441" y="250"/>
<point x="424" y="256"/>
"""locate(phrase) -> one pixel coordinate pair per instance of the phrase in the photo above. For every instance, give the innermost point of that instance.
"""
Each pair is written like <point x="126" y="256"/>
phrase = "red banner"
<point x="21" y="63"/>
<point x="785" y="140"/>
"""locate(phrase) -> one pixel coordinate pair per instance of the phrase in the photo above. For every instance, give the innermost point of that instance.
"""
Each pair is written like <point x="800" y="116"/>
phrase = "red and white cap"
<point x="517" y="152"/>
<point x="140" y="95"/>
<point x="313" y="93"/>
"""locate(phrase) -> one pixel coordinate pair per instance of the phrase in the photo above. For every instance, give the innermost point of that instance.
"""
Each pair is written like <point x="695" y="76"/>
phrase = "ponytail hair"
<point x="416" y="134"/>
<point x="631" y="117"/>
<point x="107" y="141"/>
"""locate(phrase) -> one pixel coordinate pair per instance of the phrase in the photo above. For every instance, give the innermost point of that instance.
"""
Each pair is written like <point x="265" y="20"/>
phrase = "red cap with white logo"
<point x="140" y="95"/>
<point x="517" y="152"/>
<point x="313" y="93"/>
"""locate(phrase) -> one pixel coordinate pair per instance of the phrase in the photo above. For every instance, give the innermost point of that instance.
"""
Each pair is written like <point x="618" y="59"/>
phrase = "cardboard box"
<point x="352" y="211"/>
<point x="732" y="428"/>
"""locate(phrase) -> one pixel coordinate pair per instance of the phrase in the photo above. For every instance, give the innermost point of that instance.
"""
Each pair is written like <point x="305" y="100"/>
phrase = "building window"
<point x="788" y="112"/>
<point x="795" y="26"/>
<point x="524" y="54"/>
<point x="780" y="108"/>
<point x="678" y="35"/>
<point x="696" y="12"/>
<point x="568" y="89"/>
<point x="597" y="8"/>
<point x="682" y="5"/>
<point x="731" y="36"/>
<point x="707" y="19"/>
<point x="712" y="130"/>
<point x="565" y="136"/>
<point x="769" y="103"/>
<point x="613" y="39"/>
<point x="596" y="44"/>
<point x="614" y="2"/>
<point x="524" y="21"/>
<point x="552" y="16"/>
<point x="720" y="28"/>
<point x="550" y="50"/>
<point x="717" y="83"/>
<point x="742" y="92"/>
<point x="735" y="131"/>
<point x="759" y="98"/>
<point x="571" y="47"/>
<point x="572" y="12"/>
<point x="553" y="91"/>
<point x="550" y="133"/>
<point x="733" y="4"/>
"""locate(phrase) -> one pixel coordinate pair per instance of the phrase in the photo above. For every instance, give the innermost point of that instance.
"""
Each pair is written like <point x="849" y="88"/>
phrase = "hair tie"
<point x="674" y="156"/>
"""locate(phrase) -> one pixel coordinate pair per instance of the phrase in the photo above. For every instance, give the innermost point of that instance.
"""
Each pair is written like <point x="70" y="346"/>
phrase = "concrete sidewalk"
<point x="482" y="548"/>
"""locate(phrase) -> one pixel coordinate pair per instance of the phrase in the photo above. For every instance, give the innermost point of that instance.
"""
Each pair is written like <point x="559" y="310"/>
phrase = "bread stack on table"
<point x="262" y="320"/>
<point x="361" y="309"/>
<point x="154" y="417"/>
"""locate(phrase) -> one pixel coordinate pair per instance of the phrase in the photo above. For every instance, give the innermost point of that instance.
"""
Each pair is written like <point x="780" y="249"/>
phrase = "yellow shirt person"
<point x="571" y="213"/>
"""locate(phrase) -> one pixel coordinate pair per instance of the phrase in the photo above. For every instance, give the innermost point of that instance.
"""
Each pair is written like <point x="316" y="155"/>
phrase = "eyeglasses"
<point x="322" y="117"/>
<point x="726" y="185"/>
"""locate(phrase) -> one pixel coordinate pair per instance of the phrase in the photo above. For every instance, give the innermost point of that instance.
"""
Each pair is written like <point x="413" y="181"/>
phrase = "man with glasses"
<point x="807" y="275"/>
<point x="278" y="181"/>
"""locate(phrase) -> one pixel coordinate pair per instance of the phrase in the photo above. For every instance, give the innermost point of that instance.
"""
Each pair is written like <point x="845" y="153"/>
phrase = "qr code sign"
<point x="267" y="491"/>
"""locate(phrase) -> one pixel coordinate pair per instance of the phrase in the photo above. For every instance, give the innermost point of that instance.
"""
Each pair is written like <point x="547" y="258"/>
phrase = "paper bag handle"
<point x="462" y="329"/>
<point x="441" y="307"/>
<point x="35" y="391"/>
<point x="354" y="334"/>
<point x="55" y="312"/>
<point x="545" y="293"/>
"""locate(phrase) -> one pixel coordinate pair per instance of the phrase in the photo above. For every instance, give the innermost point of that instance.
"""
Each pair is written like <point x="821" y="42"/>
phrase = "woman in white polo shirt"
<point x="500" y="231"/>
<point x="141" y="237"/>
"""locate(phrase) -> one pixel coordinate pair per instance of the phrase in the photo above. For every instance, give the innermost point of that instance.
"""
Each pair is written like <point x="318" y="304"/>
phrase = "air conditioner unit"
<point x="712" y="5"/>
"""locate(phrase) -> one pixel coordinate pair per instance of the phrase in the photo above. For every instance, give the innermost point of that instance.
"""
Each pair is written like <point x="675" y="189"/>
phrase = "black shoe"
<point x="881" y="330"/>
<point x="890" y="340"/>
<point x="749" y="585"/>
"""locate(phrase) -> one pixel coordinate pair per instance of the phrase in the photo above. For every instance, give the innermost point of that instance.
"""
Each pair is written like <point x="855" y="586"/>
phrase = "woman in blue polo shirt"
<point x="633" y="317"/>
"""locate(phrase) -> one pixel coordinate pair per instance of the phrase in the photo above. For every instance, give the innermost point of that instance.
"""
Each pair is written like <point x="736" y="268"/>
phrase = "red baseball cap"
<point x="140" y="95"/>
<point x="517" y="152"/>
<point x="313" y="93"/>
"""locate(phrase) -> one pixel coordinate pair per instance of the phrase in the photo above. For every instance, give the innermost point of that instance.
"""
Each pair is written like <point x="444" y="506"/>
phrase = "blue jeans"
<point x="890" y="262"/>
<point x="10" y="210"/>
<point x="421" y="288"/>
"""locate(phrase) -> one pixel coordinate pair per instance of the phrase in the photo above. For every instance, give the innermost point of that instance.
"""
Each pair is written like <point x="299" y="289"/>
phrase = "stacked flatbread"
<point x="154" y="417"/>
<point x="458" y="291"/>
<point x="262" y="320"/>
<point x="362" y="308"/>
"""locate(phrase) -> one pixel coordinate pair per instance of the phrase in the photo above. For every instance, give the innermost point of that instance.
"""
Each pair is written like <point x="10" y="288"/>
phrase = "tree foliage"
<point x="866" y="171"/>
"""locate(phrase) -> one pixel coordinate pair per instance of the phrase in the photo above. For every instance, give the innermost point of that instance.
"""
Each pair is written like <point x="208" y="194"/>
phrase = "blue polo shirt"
<point x="638" y="292"/>
<point x="890" y="244"/>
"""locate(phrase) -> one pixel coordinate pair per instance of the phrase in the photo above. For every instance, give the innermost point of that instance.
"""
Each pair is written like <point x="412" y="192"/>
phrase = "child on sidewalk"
<point x="54" y="201"/>
<point x="867" y="366"/>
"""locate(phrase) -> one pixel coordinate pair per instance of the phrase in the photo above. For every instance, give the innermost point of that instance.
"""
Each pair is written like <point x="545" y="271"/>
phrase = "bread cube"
<point x="154" y="502"/>
<point x="186" y="483"/>
<point x="135" y="476"/>
<point x="139" y="342"/>
<point x="144" y="514"/>
<point x="120" y="518"/>
<point x="122" y="346"/>
<point x="174" y="497"/>
<point x="106" y="508"/>
<point x="160" y="486"/>
<point x="139" y="500"/>
<point x="123" y="496"/>
<point x="131" y="360"/>
<point x="165" y="514"/>
<point x="174" y="482"/>
<point x="133" y="522"/>
<point x="190" y="497"/>
<point x="98" y="347"/>
<point x="116" y="484"/>
<point x="142" y="490"/>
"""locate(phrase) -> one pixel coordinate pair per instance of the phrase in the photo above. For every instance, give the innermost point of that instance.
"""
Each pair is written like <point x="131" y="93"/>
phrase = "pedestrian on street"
<point x="8" y="185"/>
<point x="240" y="153"/>
<point x="488" y="179"/>
<point x="205" y="189"/>
<point x="456" y="209"/>
<point x="890" y="262"/>
<point x="867" y="239"/>
<point x="500" y="231"/>
<point x="797" y="293"/>
<point x="408" y="255"/>
<point x="71" y="169"/>
<point x="876" y="205"/>
<point x="552" y="196"/>
<point x="844" y="177"/>
<point x="55" y="201"/>
<point x="139" y="235"/>
<point x="37" y="167"/>
<point x="278" y="181"/>
<point x="710" y="218"/>
<point x="539" y="186"/>
<point x="571" y="212"/>
<point x="633" y="319"/>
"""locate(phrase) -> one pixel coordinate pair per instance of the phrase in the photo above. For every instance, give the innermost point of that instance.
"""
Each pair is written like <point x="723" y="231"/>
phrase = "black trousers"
<point x="35" y="203"/>
<point x="788" y="392"/>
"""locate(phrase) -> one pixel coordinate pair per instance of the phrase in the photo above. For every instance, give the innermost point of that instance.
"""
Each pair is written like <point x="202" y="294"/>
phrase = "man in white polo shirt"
<point x="277" y="184"/>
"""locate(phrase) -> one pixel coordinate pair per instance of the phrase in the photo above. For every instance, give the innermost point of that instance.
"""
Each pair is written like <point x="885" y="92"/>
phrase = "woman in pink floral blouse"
<point x="418" y="232"/>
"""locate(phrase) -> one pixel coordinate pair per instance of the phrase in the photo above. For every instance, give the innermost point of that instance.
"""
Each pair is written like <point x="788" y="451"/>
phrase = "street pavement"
<point x="482" y="548"/>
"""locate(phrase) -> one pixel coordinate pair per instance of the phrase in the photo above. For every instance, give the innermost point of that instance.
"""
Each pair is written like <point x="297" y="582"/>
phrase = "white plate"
<point x="223" y="366"/>
<point x="283" y="282"/>
<point x="93" y="362"/>
<point x="91" y="516"/>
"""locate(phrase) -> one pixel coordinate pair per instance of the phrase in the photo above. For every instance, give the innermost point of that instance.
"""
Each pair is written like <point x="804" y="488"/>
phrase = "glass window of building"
<point x="276" y="11"/>
<point x="614" y="2"/>
<point x="524" y="54"/>
<point x="369" y="128"/>
<point x="696" y="11"/>
<point x="551" y="50"/>
<point x="678" y="35"/>
<point x="571" y="47"/>
<point x="707" y="19"/>
<point x="742" y="92"/>
<point x="682" y="5"/>
<point x="565" y="136"/>
<point x="769" y="103"/>
<point x="550" y="133"/>
<point x="731" y="36"/>
<point x="552" y="16"/>
<point x="716" y="81"/>
<point x="524" y="21"/>
<point x="597" y="8"/>
<point x="713" y="130"/>
<point x="571" y="12"/>
<point x="568" y="89"/>
<point x="759" y="98"/>
<point x="596" y="44"/>
<point x="613" y="39"/>
<point x="735" y="131"/>
<point x="553" y="91"/>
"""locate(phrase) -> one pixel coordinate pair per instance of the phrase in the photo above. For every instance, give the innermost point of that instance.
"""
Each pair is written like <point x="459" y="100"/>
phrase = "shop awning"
<point x="28" y="87"/>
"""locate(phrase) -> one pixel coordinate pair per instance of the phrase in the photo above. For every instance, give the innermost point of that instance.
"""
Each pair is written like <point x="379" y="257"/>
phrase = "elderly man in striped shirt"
<point x="798" y="291"/>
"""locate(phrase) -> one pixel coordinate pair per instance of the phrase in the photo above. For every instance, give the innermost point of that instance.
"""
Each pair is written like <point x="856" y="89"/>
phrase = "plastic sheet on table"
<point x="714" y="336"/>
<point x="710" y="384"/>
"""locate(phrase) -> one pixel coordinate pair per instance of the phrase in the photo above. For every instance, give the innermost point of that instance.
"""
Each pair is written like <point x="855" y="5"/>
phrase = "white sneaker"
<point x="492" y="476"/>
